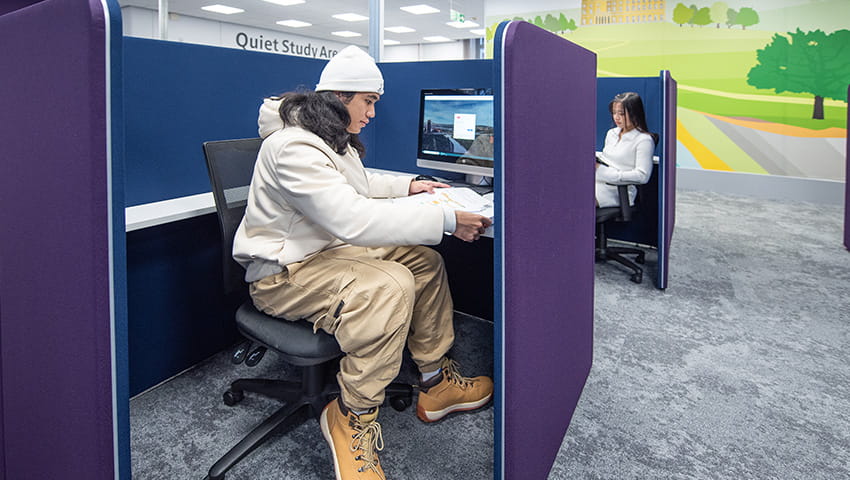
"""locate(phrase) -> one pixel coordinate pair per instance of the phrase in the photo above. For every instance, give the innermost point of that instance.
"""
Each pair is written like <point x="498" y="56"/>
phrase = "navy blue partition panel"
<point x="653" y="225"/>
<point x="180" y="95"/>
<point x="545" y="218"/>
<point x="394" y="132"/>
<point x="62" y="314"/>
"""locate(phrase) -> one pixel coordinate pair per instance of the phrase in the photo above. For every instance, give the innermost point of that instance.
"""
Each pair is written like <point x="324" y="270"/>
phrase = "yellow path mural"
<point x="706" y="158"/>
<point x="734" y="158"/>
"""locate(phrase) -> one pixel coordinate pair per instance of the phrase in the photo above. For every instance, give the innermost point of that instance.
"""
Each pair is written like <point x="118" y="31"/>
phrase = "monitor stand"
<point x="478" y="183"/>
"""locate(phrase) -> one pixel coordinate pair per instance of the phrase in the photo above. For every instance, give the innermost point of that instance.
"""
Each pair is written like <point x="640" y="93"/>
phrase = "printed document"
<point x="456" y="198"/>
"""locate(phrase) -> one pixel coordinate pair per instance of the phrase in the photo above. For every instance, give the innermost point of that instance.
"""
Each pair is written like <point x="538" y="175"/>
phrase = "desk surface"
<point x="182" y="208"/>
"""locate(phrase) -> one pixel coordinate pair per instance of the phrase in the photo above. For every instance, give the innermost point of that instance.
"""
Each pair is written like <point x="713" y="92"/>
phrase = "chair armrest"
<point x="625" y="208"/>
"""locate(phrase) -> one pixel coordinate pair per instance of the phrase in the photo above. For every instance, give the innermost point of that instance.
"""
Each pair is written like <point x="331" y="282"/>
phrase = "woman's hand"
<point x="418" y="186"/>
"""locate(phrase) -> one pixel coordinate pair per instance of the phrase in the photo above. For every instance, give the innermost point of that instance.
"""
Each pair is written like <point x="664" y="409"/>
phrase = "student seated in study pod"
<point x="627" y="156"/>
<point x="316" y="244"/>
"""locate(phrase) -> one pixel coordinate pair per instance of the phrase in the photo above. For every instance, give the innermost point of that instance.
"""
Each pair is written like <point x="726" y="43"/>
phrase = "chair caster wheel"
<point x="232" y="397"/>
<point x="637" y="277"/>
<point x="400" y="403"/>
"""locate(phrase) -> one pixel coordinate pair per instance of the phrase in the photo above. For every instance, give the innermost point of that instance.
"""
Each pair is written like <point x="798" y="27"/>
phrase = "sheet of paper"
<point x="456" y="198"/>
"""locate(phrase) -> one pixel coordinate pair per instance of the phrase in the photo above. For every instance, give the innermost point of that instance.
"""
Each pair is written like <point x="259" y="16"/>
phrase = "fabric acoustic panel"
<point x="545" y="217"/>
<point x="667" y="208"/>
<point x="847" y="183"/>
<point x="55" y="289"/>
<point x="179" y="95"/>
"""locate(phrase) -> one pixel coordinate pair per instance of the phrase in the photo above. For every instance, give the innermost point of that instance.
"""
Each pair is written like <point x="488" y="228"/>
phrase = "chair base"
<point x="617" y="254"/>
<point x="308" y="397"/>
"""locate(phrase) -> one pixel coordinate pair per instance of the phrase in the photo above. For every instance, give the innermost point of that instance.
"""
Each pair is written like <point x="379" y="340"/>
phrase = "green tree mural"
<point x="551" y="23"/>
<point x="731" y="16"/>
<point x="719" y="13"/>
<point x="694" y="11"/>
<point x="702" y="17"/>
<point x="682" y="14"/>
<point x="565" y="24"/>
<point x="805" y="62"/>
<point x="746" y="17"/>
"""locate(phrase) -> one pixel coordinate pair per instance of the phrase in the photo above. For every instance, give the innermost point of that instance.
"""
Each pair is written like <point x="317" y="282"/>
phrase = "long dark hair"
<point x="633" y="106"/>
<point x="324" y="114"/>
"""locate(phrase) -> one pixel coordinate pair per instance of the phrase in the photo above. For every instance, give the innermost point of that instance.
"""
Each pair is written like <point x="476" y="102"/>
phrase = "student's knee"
<point x="430" y="261"/>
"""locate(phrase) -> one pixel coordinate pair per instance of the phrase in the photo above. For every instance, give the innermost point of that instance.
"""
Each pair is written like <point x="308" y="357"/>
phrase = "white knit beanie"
<point x="351" y="70"/>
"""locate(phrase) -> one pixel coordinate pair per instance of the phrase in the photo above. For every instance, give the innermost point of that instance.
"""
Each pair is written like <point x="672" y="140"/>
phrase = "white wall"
<point x="144" y="23"/>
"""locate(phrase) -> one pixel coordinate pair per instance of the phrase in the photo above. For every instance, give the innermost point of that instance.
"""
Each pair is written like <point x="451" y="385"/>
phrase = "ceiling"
<point x="262" y="14"/>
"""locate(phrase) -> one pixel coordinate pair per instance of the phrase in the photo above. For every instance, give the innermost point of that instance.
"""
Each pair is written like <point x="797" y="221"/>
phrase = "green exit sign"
<point x="456" y="16"/>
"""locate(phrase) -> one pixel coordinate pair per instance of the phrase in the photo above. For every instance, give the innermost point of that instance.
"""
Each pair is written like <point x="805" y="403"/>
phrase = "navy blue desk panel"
<point x="180" y="95"/>
<point x="545" y="211"/>
<point x="62" y="306"/>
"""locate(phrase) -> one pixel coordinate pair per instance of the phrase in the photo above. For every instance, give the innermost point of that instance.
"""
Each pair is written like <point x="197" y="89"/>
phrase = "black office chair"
<point x="622" y="213"/>
<point x="230" y="164"/>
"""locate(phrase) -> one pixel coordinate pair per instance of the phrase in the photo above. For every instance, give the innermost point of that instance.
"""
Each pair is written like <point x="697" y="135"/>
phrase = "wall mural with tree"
<point x="766" y="94"/>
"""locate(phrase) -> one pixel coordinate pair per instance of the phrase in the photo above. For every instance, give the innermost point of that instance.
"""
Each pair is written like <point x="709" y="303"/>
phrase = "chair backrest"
<point x="230" y="164"/>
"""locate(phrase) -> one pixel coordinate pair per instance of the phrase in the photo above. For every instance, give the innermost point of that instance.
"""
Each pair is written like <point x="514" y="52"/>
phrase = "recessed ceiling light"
<point x="399" y="29"/>
<point x="294" y="23"/>
<point x="438" y="38"/>
<point x="478" y="31"/>
<point x="346" y="33"/>
<point x="420" y="9"/>
<point x="285" y="3"/>
<point x="222" y="9"/>
<point x="350" y="17"/>
<point x="388" y="41"/>
<point x="462" y="24"/>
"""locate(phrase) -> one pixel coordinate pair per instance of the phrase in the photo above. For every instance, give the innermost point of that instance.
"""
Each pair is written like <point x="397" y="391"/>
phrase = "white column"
<point x="376" y="29"/>
<point x="163" y="19"/>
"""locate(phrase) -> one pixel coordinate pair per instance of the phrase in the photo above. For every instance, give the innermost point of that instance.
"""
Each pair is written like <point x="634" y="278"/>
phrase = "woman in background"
<point x="627" y="156"/>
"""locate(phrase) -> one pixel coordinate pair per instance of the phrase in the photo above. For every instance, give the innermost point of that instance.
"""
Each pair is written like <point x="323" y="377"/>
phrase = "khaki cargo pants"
<point x="373" y="300"/>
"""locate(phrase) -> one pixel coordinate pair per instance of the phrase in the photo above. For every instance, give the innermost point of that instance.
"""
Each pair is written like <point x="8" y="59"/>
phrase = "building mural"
<point x="762" y="83"/>
<point x="606" y="12"/>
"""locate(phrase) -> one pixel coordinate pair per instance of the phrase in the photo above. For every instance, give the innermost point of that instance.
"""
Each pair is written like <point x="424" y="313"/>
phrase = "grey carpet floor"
<point x="740" y="369"/>
<point x="180" y="428"/>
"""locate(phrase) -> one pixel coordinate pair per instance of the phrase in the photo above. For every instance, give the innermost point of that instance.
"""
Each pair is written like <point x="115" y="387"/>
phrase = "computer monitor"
<point x="456" y="130"/>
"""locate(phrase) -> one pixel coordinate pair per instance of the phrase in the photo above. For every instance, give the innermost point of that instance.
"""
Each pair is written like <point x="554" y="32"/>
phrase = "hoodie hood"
<point x="269" y="120"/>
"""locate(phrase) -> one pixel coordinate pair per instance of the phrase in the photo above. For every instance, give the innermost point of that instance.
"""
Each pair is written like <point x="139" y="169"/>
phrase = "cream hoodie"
<point x="305" y="198"/>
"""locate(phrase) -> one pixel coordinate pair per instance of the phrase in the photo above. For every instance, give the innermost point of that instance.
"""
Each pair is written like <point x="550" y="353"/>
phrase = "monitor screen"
<point x="456" y="130"/>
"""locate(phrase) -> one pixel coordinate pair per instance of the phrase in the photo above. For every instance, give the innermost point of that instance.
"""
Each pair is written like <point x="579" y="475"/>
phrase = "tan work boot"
<point x="354" y="440"/>
<point x="450" y="392"/>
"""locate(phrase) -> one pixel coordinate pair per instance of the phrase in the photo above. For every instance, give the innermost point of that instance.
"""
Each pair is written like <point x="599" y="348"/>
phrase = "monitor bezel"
<point x="436" y="162"/>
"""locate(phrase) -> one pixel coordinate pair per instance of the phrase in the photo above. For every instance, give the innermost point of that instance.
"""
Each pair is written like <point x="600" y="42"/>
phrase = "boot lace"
<point x="452" y="373"/>
<point x="370" y="441"/>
